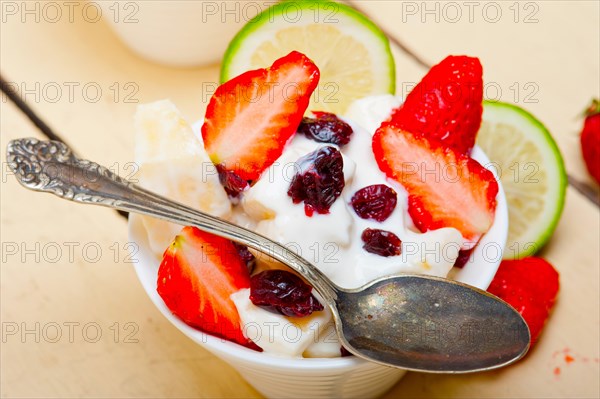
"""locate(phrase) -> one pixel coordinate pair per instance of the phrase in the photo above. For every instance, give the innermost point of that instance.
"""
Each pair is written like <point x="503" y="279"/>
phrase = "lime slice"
<point x="531" y="170"/>
<point x="352" y="53"/>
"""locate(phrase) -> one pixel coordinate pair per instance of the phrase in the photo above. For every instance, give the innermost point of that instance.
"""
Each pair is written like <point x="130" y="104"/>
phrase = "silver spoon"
<point x="412" y="322"/>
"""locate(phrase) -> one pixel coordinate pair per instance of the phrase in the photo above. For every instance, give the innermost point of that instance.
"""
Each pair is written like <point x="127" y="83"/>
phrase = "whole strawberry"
<point x="530" y="285"/>
<point x="590" y="139"/>
<point x="446" y="106"/>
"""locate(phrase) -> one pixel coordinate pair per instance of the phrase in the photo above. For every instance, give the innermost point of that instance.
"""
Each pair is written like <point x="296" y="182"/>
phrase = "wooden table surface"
<point x="75" y="320"/>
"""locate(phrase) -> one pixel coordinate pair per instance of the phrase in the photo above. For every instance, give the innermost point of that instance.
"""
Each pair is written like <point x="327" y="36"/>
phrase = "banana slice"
<point x="172" y="162"/>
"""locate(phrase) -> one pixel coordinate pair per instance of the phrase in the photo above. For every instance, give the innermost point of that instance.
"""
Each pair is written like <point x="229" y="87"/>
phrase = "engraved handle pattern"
<point x="51" y="166"/>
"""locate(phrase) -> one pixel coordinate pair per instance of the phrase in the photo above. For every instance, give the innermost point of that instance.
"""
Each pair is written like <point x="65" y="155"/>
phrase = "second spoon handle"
<point x="51" y="166"/>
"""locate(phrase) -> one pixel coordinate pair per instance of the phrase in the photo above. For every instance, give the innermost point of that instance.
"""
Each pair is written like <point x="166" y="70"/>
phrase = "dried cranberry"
<point x="319" y="181"/>
<point x="463" y="257"/>
<point x="345" y="352"/>
<point x="283" y="292"/>
<point x="246" y="255"/>
<point x="381" y="242"/>
<point x="326" y="128"/>
<point x="374" y="202"/>
<point x="231" y="182"/>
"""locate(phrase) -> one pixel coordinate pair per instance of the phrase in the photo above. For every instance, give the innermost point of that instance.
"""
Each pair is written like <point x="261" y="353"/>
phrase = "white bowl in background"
<point x="180" y="33"/>
<point x="343" y="377"/>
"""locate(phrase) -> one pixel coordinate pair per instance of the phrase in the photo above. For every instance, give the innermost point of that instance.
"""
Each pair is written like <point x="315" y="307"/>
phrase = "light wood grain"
<point x="547" y="61"/>
<point x="560" y="54"/>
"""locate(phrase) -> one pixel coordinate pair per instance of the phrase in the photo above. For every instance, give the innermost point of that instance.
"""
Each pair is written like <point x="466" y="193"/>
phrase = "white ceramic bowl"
<point x="179" y="32"/>
<point x="344" y="377"/>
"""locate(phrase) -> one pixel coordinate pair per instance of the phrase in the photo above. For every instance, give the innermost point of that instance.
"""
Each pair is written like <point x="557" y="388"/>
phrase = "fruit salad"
<point x="386" y="188"/>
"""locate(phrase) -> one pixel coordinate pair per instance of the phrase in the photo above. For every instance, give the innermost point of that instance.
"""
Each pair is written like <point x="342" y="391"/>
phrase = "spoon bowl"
<point x="429" y="324"/>
<point x="369" y="320"/>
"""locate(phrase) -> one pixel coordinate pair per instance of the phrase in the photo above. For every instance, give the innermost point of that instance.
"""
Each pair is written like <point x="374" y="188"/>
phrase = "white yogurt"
<point x="333" y="241"/>
<point x="278" y="334"/>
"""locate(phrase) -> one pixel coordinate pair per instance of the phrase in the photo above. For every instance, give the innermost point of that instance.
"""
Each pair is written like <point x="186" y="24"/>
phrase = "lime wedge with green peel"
<point x="352" y="53"/>
<point x="532" y="172"/>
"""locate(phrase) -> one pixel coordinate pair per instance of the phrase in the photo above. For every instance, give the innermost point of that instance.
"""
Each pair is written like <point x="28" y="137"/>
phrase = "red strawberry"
<point x="590" y="140"/>
<point x="446" y="188"/>
<point x="198" y="273"/>
<point x="446" y="105"/>
<point x="530" y="285"/>
<point x="251" y="117"/>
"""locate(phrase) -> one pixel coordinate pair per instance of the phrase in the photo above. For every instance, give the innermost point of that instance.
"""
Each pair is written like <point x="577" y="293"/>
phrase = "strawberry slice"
<point x="530" y="285"/>
<point x="446" y="106"/>
<point x="446" y="188"/>
<point x="198" y="273"/>
<point x="251" y="117"/>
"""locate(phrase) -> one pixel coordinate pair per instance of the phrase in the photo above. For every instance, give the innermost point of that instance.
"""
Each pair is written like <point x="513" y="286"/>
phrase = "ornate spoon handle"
<point x="51" y="166"/>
